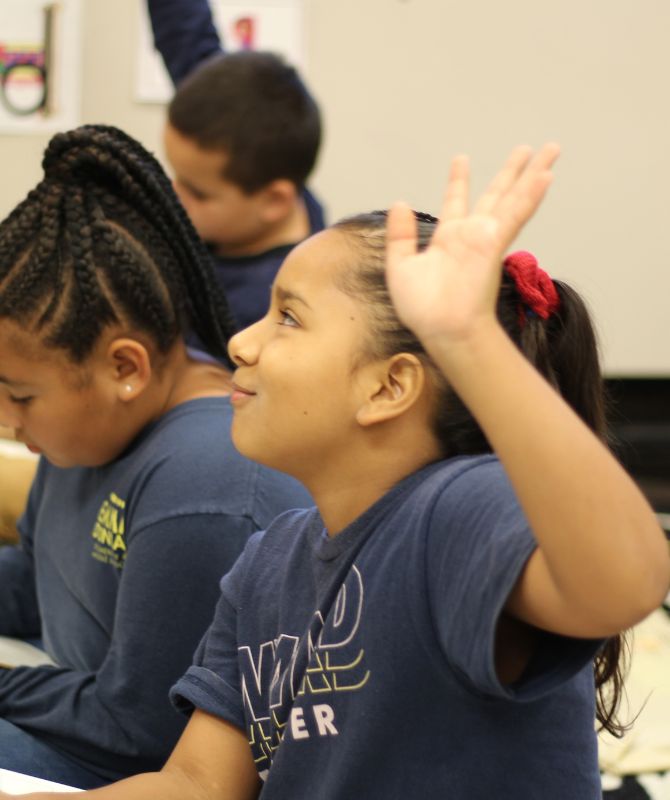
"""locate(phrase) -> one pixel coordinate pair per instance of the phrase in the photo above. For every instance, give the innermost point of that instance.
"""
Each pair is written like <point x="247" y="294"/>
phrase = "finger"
<point x="522" y="200"/>
<point x="545" y="157"/>
<point x="534" y="170"/>
<point x="401" y="234"/>
<point x="455" y="202"/>
<point x="541" y="162"/>
<point x="516" y="209"/>
<point x="508" y="175"/>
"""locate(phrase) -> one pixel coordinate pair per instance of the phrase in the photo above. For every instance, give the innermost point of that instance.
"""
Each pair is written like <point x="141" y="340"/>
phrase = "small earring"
<point x="128" y="387"/>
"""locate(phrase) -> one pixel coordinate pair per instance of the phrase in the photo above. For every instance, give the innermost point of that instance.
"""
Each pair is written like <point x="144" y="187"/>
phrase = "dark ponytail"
<point x="563" y="349"/>
<point x="103" y="239"/>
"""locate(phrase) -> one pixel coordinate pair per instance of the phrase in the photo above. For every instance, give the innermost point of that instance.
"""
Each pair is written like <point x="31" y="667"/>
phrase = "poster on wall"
<point x="39" y="65"/>
<point x="275" y="25"/>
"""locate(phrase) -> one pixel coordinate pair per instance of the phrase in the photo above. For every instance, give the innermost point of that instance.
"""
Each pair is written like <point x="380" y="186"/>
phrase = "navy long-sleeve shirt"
<point x="184" y="34"/>
<point x="120" y="565"/>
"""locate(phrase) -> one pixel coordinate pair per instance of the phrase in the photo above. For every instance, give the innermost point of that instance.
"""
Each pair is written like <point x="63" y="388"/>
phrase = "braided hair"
<point x="104" y="240"/>
<point x="562" y="348"/>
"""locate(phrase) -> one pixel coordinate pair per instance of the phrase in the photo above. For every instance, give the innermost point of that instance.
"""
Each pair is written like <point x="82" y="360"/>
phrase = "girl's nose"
<point x="243" y="347"/>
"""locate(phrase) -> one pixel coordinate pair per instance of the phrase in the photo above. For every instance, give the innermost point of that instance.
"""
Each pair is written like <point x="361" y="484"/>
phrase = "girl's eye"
<point x="20" y="401"/>
<point x="287" y="319"/>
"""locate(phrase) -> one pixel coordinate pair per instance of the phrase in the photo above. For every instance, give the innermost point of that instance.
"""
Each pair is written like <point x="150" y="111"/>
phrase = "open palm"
<point x="450" y="288"/>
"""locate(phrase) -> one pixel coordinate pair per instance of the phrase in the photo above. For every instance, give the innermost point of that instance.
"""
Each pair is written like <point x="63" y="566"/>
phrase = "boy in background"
<point x="242" y="135"/>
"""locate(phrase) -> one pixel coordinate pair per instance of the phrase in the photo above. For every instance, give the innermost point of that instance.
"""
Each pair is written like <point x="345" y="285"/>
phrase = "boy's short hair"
<point x="255" y="107"/>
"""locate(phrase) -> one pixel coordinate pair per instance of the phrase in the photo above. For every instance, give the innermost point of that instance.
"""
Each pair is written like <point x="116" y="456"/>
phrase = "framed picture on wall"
<point x="275" y="25"/>
<point x="39" y="65"/>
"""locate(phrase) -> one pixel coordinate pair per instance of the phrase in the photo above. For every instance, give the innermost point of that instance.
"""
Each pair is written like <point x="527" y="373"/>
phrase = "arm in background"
<point x="184" y="34"/>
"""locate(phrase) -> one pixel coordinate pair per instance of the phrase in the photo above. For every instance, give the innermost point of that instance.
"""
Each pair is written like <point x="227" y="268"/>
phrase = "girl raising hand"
<point x="442" y="622"/>
<point x="591" y="522"/>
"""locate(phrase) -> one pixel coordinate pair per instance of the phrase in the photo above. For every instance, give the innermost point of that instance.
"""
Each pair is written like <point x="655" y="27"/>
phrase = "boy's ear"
<point x="130" y="365"/>
<point x="396" y="385"/>
<point x="279" y="198"/>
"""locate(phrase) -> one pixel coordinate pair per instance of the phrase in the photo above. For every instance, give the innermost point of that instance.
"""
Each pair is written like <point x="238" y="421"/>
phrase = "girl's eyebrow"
<point x="285" y="294"/>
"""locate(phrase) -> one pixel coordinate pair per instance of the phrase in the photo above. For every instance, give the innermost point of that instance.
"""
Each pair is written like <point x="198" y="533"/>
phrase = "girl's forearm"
<point x="211" y="761"/>
<point x="149" y="786"/>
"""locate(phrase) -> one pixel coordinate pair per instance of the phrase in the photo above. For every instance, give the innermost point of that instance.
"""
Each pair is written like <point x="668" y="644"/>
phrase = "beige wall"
<point x="404" y="84"/>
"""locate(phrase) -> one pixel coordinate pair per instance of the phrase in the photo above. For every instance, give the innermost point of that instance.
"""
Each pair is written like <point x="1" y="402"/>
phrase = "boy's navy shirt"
<point x="185" y="36"/>
<point x="364" y="665"/>
<point x="120" y="566"/>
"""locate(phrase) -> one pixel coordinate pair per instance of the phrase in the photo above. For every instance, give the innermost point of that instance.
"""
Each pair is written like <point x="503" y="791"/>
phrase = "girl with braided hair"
<point x="140" y="502"/>
<point x="430" y="628"/>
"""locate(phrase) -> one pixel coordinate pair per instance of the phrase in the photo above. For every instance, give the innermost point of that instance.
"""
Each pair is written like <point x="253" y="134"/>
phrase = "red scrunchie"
<point x="536" y="289"/>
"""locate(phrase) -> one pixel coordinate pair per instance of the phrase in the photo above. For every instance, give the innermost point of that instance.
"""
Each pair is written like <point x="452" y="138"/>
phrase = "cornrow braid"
<point x="103" y="239"/>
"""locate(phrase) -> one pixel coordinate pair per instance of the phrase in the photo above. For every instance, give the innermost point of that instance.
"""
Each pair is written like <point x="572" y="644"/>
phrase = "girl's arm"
<point x="211" y="761"/>
<point x="602" y="562"/>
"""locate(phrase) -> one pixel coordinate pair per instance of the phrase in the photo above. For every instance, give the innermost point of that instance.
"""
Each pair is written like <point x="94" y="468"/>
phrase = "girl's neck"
<point x="343" y="492"/>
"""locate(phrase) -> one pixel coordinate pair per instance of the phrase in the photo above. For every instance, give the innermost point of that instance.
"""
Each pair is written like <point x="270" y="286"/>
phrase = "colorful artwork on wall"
<point x="39" y="65"/>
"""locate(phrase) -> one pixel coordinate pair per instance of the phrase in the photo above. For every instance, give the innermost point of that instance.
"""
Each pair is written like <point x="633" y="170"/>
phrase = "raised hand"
<point x="592" y="525"/>
<point x="450" y="289"/>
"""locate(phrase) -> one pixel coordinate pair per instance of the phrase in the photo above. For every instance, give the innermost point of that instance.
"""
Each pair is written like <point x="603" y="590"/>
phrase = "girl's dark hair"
<point x="101" y="240"/>
<point x="563" y="349"/>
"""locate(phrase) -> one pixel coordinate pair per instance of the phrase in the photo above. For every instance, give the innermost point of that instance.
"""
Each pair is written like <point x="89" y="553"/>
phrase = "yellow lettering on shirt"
<point x="109" y="532"/>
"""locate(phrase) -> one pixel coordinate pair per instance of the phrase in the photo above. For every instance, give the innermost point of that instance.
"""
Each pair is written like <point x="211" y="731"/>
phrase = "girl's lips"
<point x="33" y="449"/>
<point x="239" y="394"/>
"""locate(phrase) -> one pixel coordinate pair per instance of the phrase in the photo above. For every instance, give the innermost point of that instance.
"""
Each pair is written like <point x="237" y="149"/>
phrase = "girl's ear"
<point x="130" y="367"/>
<point x="397" y="385"/>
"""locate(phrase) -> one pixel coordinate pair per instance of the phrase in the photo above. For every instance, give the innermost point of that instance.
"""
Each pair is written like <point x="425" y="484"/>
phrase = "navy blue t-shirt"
<point x="119" y="569"/>
<point x="363" y="665"/>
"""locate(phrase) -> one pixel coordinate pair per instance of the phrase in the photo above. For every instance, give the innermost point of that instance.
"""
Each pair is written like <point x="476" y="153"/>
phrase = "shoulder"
<point x="467" y="504"/>
<point x="476" y="528"/>
<point x="285" y="532"/>
<point x="193" y="437"/>
<point x="188" y="464"/>
<point x="459" y="481"/>
<point x="271" y="554"/>
<point x="270" y="493"/>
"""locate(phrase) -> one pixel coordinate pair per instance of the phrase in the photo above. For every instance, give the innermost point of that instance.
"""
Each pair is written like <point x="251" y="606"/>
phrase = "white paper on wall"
<point x="275" y="25"/>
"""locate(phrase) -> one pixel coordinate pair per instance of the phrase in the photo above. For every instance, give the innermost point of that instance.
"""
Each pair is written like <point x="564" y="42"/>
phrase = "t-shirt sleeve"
<point x="478" y="545"/>
<point x="212" y="683"/>
<point x="166" y="599"/>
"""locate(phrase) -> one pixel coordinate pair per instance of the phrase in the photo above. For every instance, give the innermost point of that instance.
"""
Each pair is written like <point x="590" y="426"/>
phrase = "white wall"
<point x="404" y="84"/>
